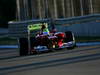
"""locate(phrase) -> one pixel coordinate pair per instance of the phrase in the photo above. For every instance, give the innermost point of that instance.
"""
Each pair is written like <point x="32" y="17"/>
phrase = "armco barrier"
<point x="81" y="26"/>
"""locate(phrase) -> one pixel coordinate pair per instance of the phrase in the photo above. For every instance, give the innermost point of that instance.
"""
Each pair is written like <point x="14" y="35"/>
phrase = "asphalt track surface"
<point x="84" y="60"/>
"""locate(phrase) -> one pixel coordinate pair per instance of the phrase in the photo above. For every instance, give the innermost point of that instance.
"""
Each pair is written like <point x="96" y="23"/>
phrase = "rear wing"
<point x="20" y="29"/>
<point x="36" y="26"/>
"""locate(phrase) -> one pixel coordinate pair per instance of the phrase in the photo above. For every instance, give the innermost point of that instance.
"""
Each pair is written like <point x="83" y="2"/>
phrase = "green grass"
<point x="8" y="41"/>
<point x="12" y="41"/>
<point x="87" y="39"/>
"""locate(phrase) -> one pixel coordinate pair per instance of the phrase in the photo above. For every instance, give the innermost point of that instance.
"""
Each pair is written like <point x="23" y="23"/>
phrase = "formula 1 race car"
<point x="52" y="41"/>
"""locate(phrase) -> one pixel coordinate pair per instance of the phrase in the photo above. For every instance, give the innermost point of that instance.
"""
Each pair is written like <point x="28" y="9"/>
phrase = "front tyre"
<point x="69" y="37"/>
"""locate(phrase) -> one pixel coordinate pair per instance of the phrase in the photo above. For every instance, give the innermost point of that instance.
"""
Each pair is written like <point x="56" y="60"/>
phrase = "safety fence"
<point x="88" y="26"/>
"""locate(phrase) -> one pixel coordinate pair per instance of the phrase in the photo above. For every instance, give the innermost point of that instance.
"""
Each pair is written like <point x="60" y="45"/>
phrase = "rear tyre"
<point x="23" y="46"/>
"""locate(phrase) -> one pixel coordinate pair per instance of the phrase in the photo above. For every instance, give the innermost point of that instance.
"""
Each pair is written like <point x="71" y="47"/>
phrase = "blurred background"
<point x="23" y="10"/>
<point x="15" y="10"/>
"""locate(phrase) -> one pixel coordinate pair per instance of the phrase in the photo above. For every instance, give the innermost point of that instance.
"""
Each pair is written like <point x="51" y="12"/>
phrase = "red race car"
<point x="51" y="40"/>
